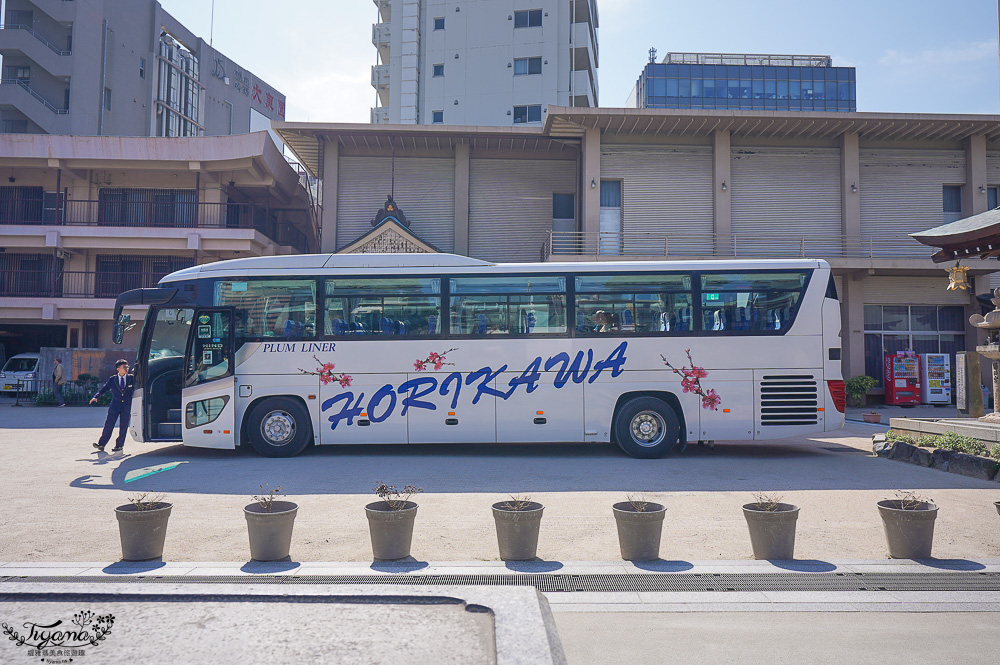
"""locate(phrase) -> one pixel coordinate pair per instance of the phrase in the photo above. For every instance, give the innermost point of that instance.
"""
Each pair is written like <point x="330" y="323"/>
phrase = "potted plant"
<point x="269" y="523"/>
<point x="517" y="520"/>
<point x="996" y="504"/>
<point x="772" y="526"/>
<point x="390" y="521"/>
<point x="142" y="525"/>
<point x="908" y="521"/>
<point x="857" y="388"/>
<point x="872" y="417"/>
<point x="640" y="524"/>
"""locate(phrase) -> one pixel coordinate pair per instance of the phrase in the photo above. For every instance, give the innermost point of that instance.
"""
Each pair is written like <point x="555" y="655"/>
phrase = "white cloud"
<point x="943" y="56"/>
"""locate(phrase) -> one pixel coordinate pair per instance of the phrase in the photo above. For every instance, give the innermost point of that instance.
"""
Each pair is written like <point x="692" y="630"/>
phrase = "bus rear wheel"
<point x="646" y="427"/>
<point x="279" y="427"/>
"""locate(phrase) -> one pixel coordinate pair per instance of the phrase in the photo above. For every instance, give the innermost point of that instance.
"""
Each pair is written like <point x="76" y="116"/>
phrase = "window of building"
<point x="439" y="23"/>
<point x="439" y="70"/>
<point x="992" y="197"/>
<point x="179" y="92"/>
<point x="610" y="241"/>
<point x="920" y="328"/>
<point x="437" y="117"/>
<point x="564" y="240"/>
<point x="524" y="66"/>
<point x="530" y="113"/>
<point x="137" y="206"/>
<point x="23" y="17"/>
<point x="107" y="99"/>
<point x="408" y="306"/>
<point x="952" y="202"/>
<point x="16" y="126"/>
<point x="508" y="305"/>
<point x="17" y="73"/>
<point x="142" y="68"/>
<point x="529" y="18"/>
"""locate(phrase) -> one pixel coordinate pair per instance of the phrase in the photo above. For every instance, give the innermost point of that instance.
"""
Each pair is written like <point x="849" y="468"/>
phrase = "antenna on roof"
<point x="652" y="55"/>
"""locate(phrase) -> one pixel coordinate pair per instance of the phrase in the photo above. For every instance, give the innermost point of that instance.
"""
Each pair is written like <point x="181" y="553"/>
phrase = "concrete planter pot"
<point x="142" y="531"/>
<point x="517" y="530"/>
<point x="908" y="533"/>
<point x="872" y="417"/>
<point x="772" y="532"/>
<point x="996" y="504"/>
<point x="639" y="532"/>
<point x="391" y="530"/>
<point x="270" y="532"/>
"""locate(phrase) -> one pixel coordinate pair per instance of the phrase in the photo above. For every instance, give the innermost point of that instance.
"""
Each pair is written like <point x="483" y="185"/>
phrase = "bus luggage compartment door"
<point x="208" y="410"/>
<point x="454" y="418"/>
<point x="367" y="411"/>
<point x="545" y="414"/>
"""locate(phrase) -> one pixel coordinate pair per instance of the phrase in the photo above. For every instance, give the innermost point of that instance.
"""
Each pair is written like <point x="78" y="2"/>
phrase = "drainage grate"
<point x="549" y="582"/>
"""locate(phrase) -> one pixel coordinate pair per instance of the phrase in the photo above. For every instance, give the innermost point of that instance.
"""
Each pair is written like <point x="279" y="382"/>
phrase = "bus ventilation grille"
<point x="789" y="399"/>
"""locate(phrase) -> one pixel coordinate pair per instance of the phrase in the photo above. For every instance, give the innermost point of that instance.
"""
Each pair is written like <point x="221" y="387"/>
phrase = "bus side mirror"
<point x="119" y="328"/>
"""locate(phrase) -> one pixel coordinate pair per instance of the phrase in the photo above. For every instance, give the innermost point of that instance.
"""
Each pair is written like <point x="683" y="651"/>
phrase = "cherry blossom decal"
<point x="691" y="381"/>
<point x="326" y="374"/>
<point x="435" y="360"/>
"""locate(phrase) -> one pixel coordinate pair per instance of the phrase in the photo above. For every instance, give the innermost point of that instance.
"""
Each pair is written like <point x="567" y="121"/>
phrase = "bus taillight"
<point x="837" y="393"/>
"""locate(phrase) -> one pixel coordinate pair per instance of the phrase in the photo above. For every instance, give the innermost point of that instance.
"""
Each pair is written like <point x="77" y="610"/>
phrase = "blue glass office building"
<point x="751" y="82"/>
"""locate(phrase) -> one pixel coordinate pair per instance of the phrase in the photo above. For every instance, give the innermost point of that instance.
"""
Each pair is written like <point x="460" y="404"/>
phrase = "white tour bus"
<point x="281" y="352"/>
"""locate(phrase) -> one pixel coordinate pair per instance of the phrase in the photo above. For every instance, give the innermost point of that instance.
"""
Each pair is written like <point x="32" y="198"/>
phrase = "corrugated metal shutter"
<point x="666" y="192"/>
<point x="995" y="280"/>
<point x="901" y="193"/>
<point x="425" y="190"/>
<point x="510" y="205"/>
<point x="992" y="167"/>
<point x="913" y="291"/>
<point x="780" y="195"/>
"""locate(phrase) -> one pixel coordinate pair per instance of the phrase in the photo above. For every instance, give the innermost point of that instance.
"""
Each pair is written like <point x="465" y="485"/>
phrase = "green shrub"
<point x="948" y="441"/>
<point x="857" y="387"/>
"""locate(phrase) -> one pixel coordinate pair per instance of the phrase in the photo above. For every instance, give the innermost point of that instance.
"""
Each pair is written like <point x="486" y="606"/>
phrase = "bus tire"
<point x="646" y="427"/>
<point x="279" y="427"/>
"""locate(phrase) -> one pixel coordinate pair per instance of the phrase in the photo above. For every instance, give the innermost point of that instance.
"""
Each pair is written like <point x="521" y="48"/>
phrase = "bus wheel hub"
<point x="647" y="428"/>
<point x="278" y="427"/>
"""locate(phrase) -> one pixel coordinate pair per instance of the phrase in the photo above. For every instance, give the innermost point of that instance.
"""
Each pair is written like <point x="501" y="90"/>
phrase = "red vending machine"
<point x="902" y="378"/>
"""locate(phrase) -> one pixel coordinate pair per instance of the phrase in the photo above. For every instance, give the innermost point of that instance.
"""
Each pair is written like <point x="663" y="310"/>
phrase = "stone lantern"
<point x="991" y="350"/>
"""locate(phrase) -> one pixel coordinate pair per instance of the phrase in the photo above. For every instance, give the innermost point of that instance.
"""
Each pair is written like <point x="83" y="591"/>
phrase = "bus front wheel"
<point x="279" y="427"/>
<point x="646" y="427"/>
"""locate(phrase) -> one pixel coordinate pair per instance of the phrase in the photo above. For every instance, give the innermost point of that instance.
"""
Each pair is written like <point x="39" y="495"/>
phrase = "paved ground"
<point x="61" y="495"/>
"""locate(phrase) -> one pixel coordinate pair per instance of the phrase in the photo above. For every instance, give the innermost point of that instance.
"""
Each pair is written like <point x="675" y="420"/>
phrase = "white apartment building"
<point x="482" y="62"/>
<point x="121" y="68"/>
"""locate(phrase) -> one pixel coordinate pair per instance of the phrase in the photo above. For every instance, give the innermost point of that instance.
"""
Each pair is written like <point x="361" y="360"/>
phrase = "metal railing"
<point x="150" y="213"/>
<point x="34" y="94"/>
<point x="612" y="246"/>
<point x="73" y="284"/>
<point x="41" y="392"/>
<point x="26" y="28"/>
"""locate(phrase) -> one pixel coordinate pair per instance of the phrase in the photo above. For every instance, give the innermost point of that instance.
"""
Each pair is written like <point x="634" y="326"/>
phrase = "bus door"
<point x="208" y="407"/>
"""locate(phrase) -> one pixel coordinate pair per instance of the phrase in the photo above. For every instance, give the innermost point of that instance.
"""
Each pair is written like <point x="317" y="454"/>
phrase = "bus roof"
<point x="323" y="264"/>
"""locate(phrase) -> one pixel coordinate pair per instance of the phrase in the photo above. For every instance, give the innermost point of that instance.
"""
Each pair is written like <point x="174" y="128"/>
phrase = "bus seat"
<point x="628" y="322"/>
<point x="581" y="321"/>
<point x="400" y="327"/>
<point x="481" y="324"/>
<point x="432" y="325"/>
<point x="338" y="327"/>
<point x="387" y="326"/>
<point x="529" y="322"/>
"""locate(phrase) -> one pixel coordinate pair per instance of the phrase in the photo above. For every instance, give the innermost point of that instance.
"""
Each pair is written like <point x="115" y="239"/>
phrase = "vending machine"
<point x="902" y="378"/>
<point x="935" y="378"/>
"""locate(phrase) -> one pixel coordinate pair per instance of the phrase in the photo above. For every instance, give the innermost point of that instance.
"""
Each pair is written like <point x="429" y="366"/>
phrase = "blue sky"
<point x="920" y="56"/>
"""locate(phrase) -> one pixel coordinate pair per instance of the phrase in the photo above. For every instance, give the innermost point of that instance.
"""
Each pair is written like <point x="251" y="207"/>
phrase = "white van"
<point x="21" y="368"/>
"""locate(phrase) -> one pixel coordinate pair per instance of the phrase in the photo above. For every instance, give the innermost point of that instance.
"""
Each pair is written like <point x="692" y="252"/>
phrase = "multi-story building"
<point x="482" y="62"/>
<point x="84" y="218"/>
<point x="651" y="184"/>
<point x="751" y="82"/>
<point x="121" y="68"/>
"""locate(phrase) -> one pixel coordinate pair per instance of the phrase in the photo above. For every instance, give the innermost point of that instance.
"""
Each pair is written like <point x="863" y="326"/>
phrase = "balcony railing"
<point x="154" y="214"/>
<point x="45" y="102"/>
<point x="612" y="246"/>
<point x="73" y="284"/>
<point x="26" y="28"/>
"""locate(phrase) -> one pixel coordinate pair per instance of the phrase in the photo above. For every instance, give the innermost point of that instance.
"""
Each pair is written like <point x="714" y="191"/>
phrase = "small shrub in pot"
<point x="908" y="522"/>
<point x="142" y="526"/>
<point x="772" y="527"/>
<point x="390" y="521"/>
<point x="517" y="520"/>
<point x="640" y="526"/>
<point x="269" y="524"/>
